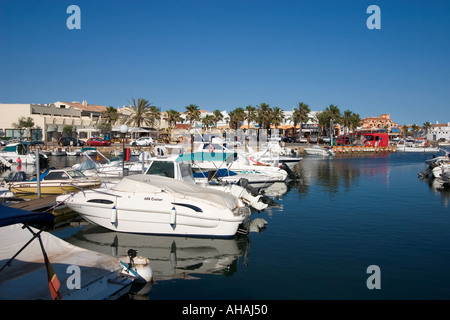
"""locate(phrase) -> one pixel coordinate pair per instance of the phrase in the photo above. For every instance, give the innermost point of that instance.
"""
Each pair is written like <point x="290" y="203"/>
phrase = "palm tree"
<point x="427" y="126"/>
<point x="208" y="120"/>
<point x="300" y="115"/>
<point x="236" y="117"/>
<point x="140" y="113"/>
<point x="192" y="113"/>
<point x="415" y="129"/>
<point x="172" y="117"/>
<point x="355" y="121"/>
<point x="263" y="115"/>
<point x="24" y="123"/>
<point x="277" y="116"/>
<point x="347" y="119"/>
<point x="405" y="131"/>
<point x="323" y="119"/>
<point x="218" y="116"/>
<point x="231" y="120"/>
<point x="335" y="113"/>
<point x="251" y="115"/>
<point x="110" y="114"/>
<point x="240" y="115"/>
<point x="154" y="116"/>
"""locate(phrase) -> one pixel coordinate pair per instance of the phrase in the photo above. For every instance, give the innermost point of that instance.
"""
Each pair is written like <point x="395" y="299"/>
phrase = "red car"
<point x="97" y="142"/>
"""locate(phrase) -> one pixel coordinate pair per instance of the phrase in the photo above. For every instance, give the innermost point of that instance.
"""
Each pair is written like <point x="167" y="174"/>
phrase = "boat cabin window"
<point x="58" y="175"/>
<point x="161" y="168"/>
<point x="185" y="170"/>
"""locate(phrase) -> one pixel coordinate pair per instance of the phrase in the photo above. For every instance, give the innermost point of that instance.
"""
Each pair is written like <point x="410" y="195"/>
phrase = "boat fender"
<point x="113" y="215"/>
<point x="173" y="216"/>
<point x="211" y="148"/>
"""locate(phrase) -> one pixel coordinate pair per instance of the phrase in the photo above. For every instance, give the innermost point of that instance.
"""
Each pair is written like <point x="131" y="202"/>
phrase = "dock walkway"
<point x="35" y="204"/>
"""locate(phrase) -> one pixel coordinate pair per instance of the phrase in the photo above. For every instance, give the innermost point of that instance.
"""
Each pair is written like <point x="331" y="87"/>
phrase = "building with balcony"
<point x="50" y="119"/>
<point x="381" y="122"/>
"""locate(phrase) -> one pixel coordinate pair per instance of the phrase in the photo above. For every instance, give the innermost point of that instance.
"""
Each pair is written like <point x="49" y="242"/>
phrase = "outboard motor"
<point x="291" y="174"/>
<point x="43" y="161"/>
<point x="18" y="176"/>
<point x="244" y="184"/>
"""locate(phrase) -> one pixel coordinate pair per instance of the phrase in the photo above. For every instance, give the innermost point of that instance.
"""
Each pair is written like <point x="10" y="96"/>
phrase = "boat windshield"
<point x="87" y="165"/>
<point x="161" y="168"/>
<point x="56" y="175"/>
<point x="75" y="174"/>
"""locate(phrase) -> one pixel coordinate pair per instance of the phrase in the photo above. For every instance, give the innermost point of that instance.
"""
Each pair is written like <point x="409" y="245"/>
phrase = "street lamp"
<point x="123" y="129"/>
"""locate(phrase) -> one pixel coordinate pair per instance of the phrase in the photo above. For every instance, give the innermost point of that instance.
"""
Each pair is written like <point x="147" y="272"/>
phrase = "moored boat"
<point x="54" y="181"/>
<point x="37" y="265"/>
<point x="320" y="151"/>
<point x="177" y="167"/>
<point x="160" y="205"/>
<point x="17" y="153"/>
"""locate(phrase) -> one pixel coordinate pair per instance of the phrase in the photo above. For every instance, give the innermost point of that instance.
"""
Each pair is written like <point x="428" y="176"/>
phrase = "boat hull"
<point x="157" y="213"/>
<point x="317" y="152"/>
<point x="416" y="149"/>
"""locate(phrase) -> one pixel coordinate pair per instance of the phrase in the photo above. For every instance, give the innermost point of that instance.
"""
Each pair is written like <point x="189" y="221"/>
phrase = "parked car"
<point x="342" y="140"/>
<point x="313" y="138"/>
<point x="142" y="141"/>
<point x="288" y="139"/>
<point x="97" y="142"/>
<point x="325" y="139"/>
<point x="302" y="140"/>
<point x="69" y="141"/>
<point x="275" y="138"/>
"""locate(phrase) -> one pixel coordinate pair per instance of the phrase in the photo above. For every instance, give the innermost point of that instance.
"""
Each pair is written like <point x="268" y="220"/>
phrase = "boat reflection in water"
<point x="171" y="257"/>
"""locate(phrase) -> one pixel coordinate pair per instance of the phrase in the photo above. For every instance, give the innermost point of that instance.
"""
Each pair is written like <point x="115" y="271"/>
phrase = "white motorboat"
<point x="18" y="153"/>
<point x="404" y="148"/>
<point x="320" y="151"/>
<point x="37" y="265"/>
<point x="259" y="176"/>
<point x="100" y="166"/>
<point x="414" y="145"/>
<point x="178" y="167"/>
<point x="160" y="205"/>
<point x="53" y="181"/>
<point x="436" y="166"/>
<point x="273" y="155"/>
<point x="440" y="168"/>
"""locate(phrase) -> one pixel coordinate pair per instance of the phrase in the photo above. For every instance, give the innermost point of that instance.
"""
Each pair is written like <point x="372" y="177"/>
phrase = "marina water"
<point x="344" y="214"/>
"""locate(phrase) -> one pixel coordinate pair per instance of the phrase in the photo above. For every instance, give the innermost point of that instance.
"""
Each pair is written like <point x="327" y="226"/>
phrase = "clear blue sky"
<point x="224" y="54"/>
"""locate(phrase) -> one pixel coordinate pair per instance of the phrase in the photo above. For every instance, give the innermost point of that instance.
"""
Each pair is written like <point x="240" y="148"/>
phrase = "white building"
<point x="50" y="119"/>
<point x="439" y="131"/>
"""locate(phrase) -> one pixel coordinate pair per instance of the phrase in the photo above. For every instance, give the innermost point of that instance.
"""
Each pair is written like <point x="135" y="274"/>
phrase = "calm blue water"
<point x="343" y="215"/>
